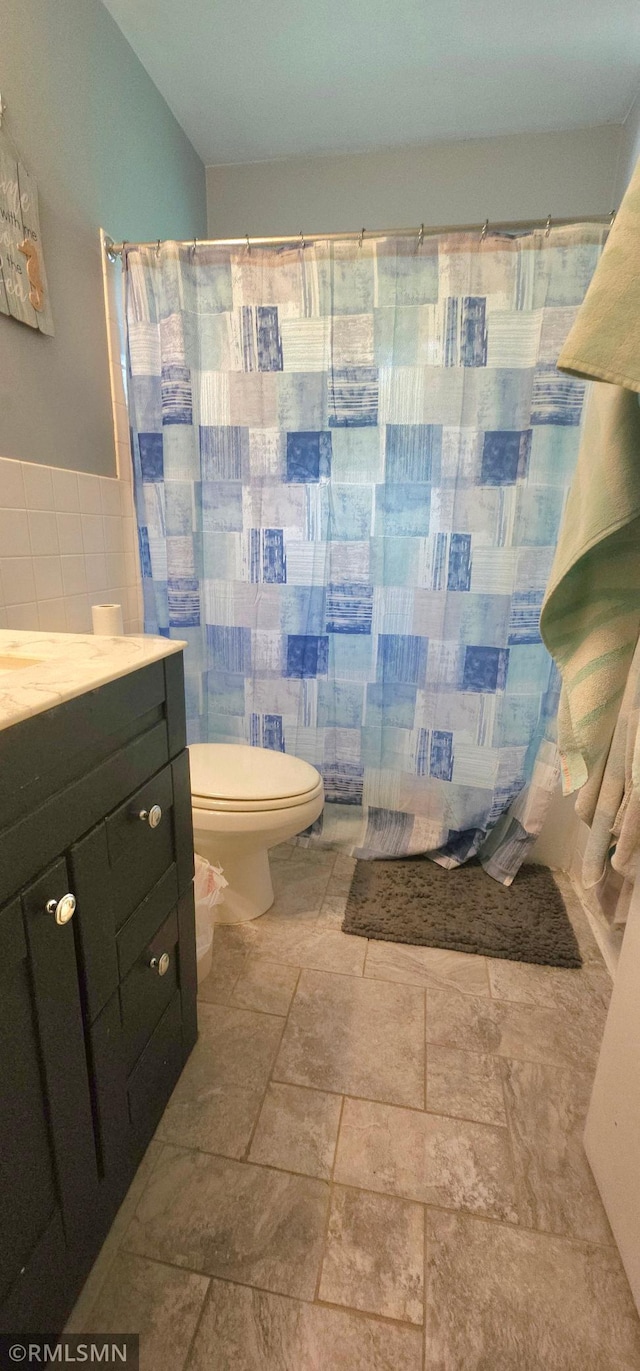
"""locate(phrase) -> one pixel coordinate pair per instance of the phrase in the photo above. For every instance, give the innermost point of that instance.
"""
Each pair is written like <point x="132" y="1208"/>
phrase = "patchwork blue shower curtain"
<point x="350" y="465"/>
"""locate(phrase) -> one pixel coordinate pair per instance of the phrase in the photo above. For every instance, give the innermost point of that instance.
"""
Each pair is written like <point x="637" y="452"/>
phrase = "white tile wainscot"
<point x="67" y="540"/>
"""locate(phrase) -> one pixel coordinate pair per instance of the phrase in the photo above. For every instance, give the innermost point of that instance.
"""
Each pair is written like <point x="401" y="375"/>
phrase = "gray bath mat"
<point x="416" y="901"/>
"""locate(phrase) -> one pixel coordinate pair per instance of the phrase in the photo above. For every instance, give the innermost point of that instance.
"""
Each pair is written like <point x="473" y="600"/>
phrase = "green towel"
<point x="604" y="342"/>
<point x="591" y="613"/>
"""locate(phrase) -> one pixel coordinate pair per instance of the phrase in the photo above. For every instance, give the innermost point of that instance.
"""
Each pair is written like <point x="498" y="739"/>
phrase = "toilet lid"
<point x="253" y="775"/>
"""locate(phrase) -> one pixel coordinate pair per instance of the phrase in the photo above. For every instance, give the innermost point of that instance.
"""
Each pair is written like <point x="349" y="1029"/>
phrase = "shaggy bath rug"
<point x="416" y="901"/>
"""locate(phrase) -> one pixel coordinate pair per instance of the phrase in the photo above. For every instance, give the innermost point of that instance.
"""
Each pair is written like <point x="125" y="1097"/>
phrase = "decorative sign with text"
<point x="23" y="283"/>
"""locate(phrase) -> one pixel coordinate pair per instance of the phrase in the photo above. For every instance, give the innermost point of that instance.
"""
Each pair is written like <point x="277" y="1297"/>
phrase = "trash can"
<point x="208" y="885"/>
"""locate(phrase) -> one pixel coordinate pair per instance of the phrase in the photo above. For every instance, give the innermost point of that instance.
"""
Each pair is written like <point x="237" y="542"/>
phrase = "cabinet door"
<point x="48" y="1171"/>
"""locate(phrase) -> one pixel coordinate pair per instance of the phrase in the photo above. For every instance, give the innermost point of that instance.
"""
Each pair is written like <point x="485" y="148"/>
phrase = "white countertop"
<point x="65" y="665"/>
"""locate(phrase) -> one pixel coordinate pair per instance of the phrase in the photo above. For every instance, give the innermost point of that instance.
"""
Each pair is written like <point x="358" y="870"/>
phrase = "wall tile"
<point x="113" y="533"/>
<point x="17" y="581"/>
<point x="93" y="533"/>
<point x="48" y="577"/>
<point x="96" y="569"/>
<point x="67" y="540"/>
<point x="38" y="486"/>
<point x="65" y="491"/>
<point x="116" y="569"/>
<point x="121" y="421"/>
<point x="22" y="616"/>
<point x="110" y="494"/>
<point x="43" y="532"/>
<point x="74" y="576"/>
<point x="52" y="616"/>
<point x="14" y="533"/>
<point x="70" y="533"/>
<point x="131" y="568"/>
<point x="131" y="543"/>
<point x="78" y="609"/>
<point x="89" y="494"/>
<point x="11" y="485"/>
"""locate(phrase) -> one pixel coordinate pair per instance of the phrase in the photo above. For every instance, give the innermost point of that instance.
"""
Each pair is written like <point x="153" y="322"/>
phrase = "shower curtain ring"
<point x="248" y="242"/>
<point x="547" y="230"/>
<point x="302" y="242"/>
<point x="485" y="230"/>
<point x="361" y="238"/>
<point x="612" y="217"/>
<point x="193" y="249"/>
<point x="421" y="235"/>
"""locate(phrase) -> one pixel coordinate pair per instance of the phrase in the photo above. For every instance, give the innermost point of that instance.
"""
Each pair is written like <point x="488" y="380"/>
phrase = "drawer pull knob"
<point x="63" y="909"/>
<point x="160" y="964"/>
<point x="151" y="816"/>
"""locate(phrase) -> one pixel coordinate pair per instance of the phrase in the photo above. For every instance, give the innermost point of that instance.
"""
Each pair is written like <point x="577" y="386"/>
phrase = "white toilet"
<point x="244" y="801"/>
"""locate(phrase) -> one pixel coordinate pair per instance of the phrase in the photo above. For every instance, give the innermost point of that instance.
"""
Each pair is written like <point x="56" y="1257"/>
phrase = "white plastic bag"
<point x="209" y="883"/>
<point x="208" y="886"/>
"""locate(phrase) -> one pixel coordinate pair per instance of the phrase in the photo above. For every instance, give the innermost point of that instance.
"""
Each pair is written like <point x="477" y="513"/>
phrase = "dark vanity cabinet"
<point x="97" y="972"/>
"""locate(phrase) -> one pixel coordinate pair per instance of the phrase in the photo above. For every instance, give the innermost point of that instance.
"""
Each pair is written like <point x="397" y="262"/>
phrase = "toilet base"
<point x="249" y="892"/>
<point x="239" y="842"/>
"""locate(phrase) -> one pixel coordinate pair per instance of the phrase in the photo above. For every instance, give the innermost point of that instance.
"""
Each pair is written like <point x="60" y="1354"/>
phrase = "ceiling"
<point x="256" y="79"/>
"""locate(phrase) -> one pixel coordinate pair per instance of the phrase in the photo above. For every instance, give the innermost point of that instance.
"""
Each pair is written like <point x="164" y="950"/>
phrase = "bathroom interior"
<point x="320" y="685"/>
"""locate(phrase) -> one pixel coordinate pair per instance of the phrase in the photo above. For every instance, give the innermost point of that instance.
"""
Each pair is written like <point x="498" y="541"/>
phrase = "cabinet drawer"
<point x="138" y="853"/>
<point x="145" y="994"/>
<point x="141" y="926"/>
<point x="114" y="869"/>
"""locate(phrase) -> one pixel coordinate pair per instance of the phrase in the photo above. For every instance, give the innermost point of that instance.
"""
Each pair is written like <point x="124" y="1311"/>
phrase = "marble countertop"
<point x="63" y="665"/>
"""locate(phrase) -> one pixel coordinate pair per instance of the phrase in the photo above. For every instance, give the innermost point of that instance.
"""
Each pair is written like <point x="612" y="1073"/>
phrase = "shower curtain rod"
<point x="114" y="250"/>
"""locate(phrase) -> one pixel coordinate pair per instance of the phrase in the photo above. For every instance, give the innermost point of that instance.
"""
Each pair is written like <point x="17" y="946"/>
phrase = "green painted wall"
<point x="106" y="152"/>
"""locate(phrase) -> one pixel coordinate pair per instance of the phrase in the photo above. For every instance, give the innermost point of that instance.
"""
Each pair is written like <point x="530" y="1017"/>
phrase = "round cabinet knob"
<point x="160" y="964"/>
<point x="63" y="909"/>
<point x="151" y="816"/>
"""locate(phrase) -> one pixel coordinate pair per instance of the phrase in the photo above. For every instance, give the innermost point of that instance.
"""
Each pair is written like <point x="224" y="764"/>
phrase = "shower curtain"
<point x="350" y="464"/>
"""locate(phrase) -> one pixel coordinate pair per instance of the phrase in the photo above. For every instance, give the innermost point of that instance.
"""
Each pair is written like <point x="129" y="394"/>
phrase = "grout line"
<point x="447" y="986"/>
<point x="241" y="1008"/>
<point x="364" y="1314"/>
<point x="425" y="1269"/>
<point x="516" y="1227"/>
<point x="187" y="1357"/>
<point x="368" y="1314"/>
<point x="325" y="1236"/>
<point x="515" y="1163"/>
<point x="393" y="1104"/>
<point x="487" y="973"/>
<point x="324" y="970"/>
<point x="269" y="1076"/>
<point x="425" y="1045"/>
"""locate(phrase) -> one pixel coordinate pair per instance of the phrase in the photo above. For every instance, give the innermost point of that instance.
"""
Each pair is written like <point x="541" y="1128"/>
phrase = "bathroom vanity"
<point x="97" y="945"/>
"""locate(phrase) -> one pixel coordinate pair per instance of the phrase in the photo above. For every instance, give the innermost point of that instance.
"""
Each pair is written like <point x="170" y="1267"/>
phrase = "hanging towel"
<point x="604" y="342"/>
<point x="611" y="853"/>
<point x="591" y="613"/>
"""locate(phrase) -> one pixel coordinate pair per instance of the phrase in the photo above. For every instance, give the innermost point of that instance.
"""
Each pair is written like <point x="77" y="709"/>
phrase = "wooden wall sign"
<point x="23" y="283"/>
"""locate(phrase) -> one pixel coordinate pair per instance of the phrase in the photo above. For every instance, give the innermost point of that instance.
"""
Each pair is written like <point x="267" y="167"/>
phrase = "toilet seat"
<point x="236" y="778"/>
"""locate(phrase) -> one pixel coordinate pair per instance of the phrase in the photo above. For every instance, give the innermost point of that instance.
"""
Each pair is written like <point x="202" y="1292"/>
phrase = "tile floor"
<point x="373" y="1160"/>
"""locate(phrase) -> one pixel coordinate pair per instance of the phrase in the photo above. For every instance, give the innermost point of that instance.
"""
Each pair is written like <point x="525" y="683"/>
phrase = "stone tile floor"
<point x="373" y="1160"/>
